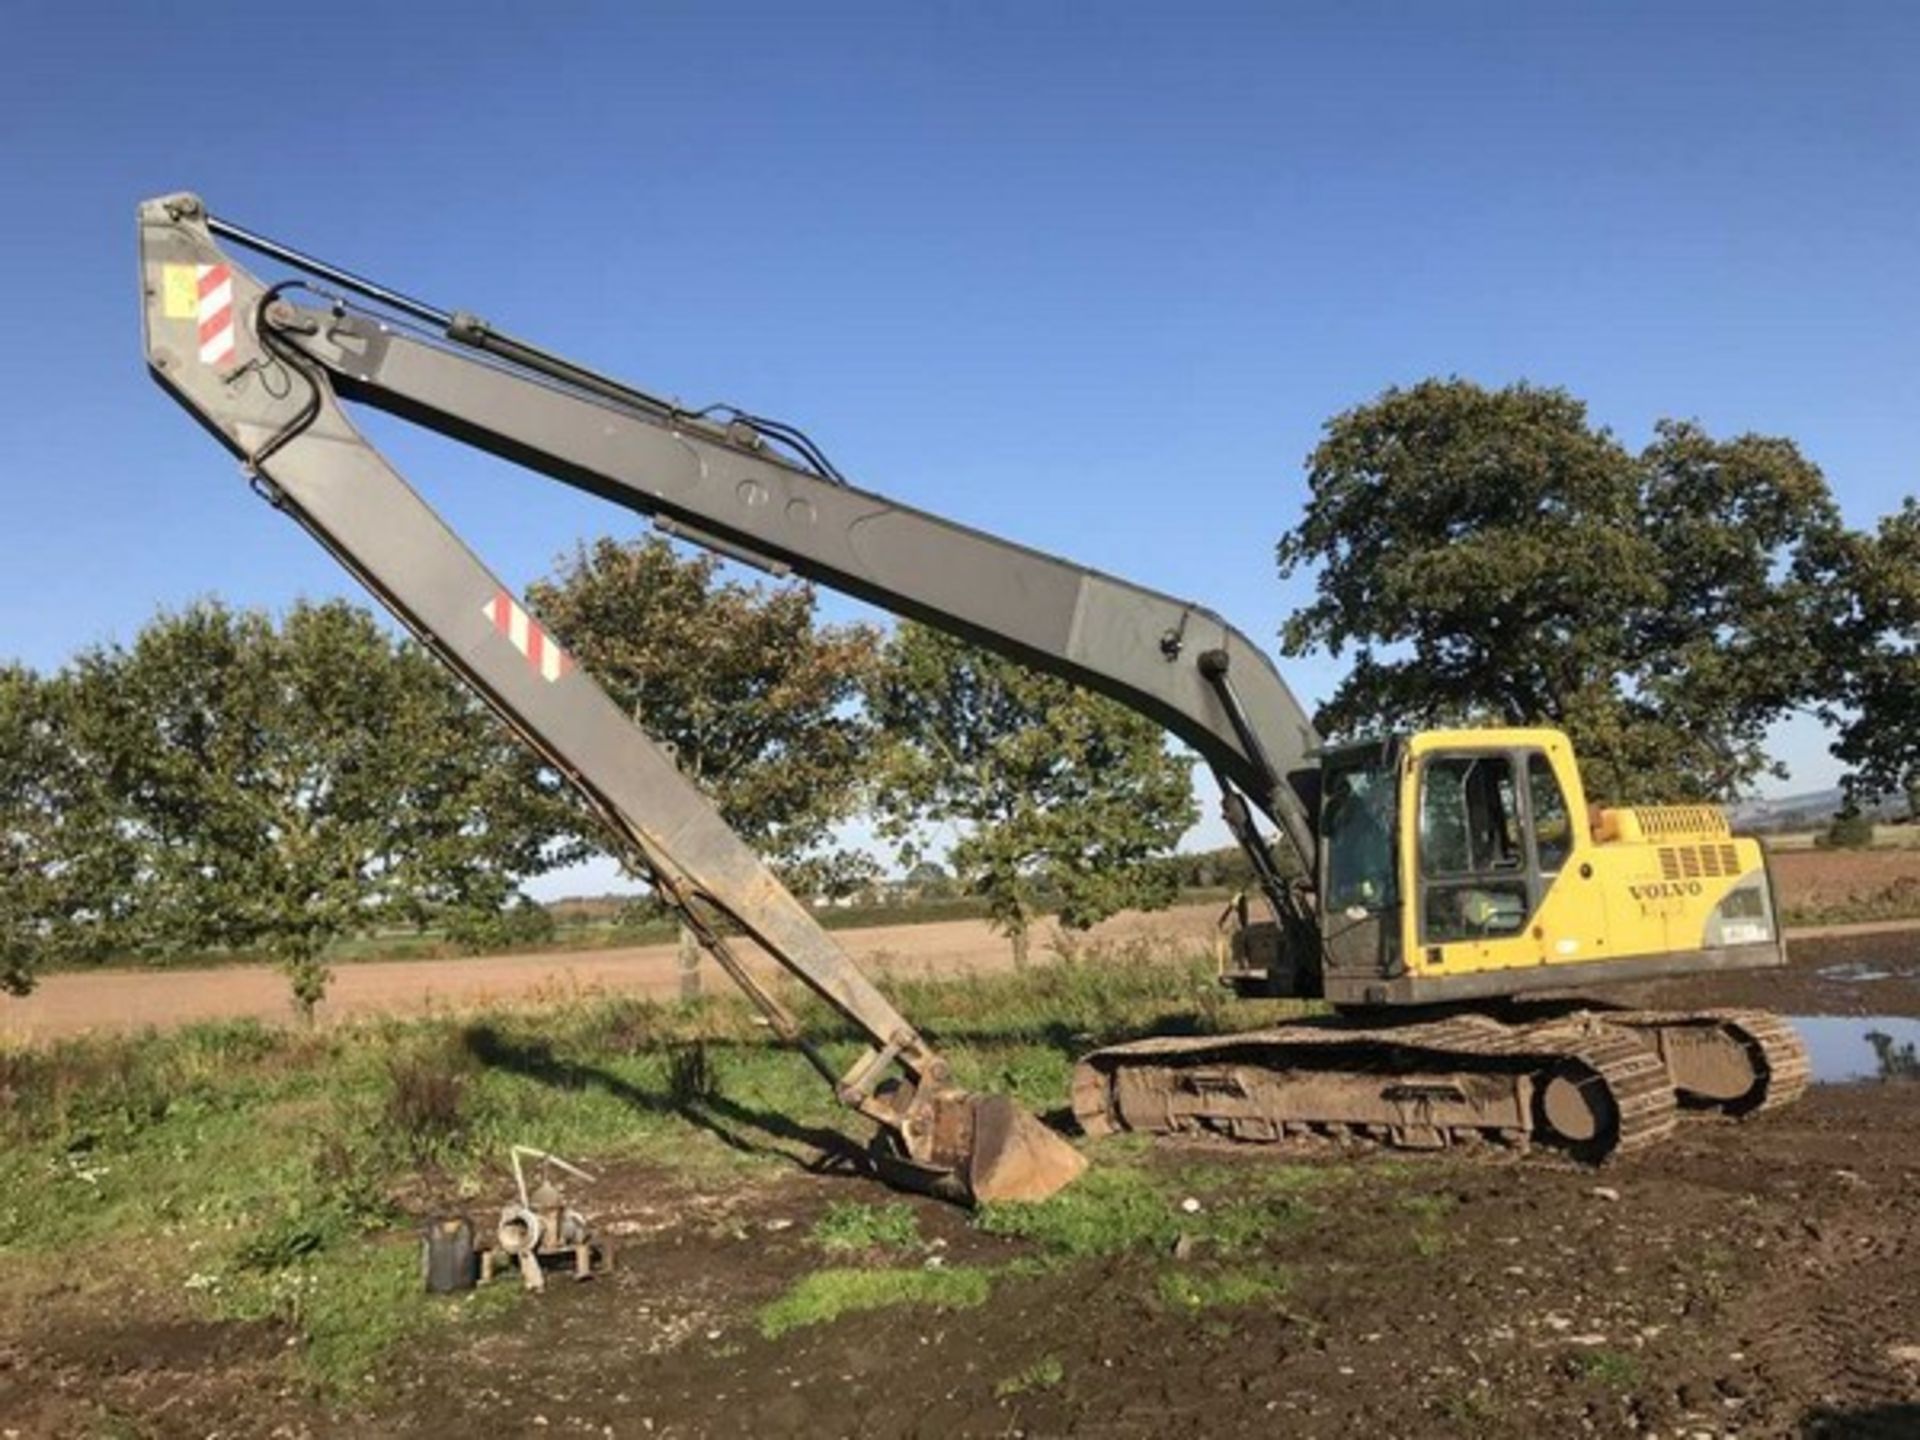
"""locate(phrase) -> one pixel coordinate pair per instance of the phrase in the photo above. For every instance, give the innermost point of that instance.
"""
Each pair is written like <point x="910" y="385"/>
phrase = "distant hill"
<point x="1807" y="811"/>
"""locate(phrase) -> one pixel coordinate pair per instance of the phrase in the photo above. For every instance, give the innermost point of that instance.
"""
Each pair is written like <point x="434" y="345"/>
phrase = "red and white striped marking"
<point x="548" y="660"/>
<point x="215" y="313"/>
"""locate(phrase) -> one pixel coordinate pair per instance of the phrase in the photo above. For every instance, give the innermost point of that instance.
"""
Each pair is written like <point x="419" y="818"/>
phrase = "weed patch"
<point x="1117" y="1208"/>
<point x="426" y="1098"/>
<point x="1186" y="1289"/>
<point x="1102" y="1213"/>
<point x="350" y="1310"/>
<point x="1430" y="1213"/>
<point x="1043" y="1374"/>
<point x="1471" y="1410"/>
<point x="691" y="1079"/>
<point x="851" y="1226"/>
<point x="826" y="1295"/>
<point x="1615" y="1369"/>
<point x="287" y="1241"/>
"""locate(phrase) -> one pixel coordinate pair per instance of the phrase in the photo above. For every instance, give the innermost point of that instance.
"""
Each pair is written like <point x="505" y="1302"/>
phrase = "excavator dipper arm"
<point x="224" y="347"/>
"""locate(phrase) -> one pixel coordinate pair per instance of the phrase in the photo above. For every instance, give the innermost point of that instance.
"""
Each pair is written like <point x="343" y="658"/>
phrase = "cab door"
<point x="1493" y="830"/>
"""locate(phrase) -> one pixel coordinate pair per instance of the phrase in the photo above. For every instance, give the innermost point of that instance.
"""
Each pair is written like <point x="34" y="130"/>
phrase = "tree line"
<point x="232" y="782"/>
<point x="228" y="780"/>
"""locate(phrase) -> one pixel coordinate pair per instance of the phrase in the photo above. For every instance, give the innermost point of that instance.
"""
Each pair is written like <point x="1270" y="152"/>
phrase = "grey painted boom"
<point x="279" y="415"/>
<point x="1138" y="646"/>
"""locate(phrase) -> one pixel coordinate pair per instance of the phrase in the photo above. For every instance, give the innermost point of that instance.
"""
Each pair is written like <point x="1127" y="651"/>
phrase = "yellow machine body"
<point x="1507" y="880"/>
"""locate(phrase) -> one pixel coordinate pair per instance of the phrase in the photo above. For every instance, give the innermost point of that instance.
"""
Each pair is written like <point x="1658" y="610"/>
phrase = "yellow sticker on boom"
<point x="180" y="291"/>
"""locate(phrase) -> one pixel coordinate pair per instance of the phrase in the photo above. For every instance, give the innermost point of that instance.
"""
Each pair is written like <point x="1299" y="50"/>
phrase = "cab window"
<point x="1552" y="821"/>
<point x="1472" y="849"/>
<point x="1357" y="820"/>
<point x="1468" y="821"/>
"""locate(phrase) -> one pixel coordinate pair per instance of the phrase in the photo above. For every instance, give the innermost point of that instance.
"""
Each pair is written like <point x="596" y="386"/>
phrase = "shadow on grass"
<point x="744" y="1128"/>
<point x="1070" y="1040"/>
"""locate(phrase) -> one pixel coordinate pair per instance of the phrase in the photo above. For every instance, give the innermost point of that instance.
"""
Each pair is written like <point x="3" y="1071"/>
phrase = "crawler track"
<point x="1755" y="1061"/>
<point x="1579" y="1083"/>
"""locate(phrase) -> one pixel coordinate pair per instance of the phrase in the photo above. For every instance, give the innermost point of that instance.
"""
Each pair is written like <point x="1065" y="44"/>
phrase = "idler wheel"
<point x="1576" y="1109"/>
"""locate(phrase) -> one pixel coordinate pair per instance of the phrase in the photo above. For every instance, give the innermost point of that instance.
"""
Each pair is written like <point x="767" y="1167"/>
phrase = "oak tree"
<point x="1490" y="556"/>
<point x="1049" y="790"/>
<point x="1873" y="693"/>
<point x="756" y="699"/>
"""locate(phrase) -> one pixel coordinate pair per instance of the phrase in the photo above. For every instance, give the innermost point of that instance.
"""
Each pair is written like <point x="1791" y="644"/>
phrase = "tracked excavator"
<point x="1447" y="890"/>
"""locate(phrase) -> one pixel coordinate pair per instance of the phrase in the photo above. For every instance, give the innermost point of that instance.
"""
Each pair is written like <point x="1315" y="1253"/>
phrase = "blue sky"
<point x="1089" y="276"/>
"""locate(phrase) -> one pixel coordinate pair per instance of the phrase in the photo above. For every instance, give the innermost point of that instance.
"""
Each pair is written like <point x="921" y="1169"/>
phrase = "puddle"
<point x="1858" y="974"/>
<point x="1846" y="1048"/>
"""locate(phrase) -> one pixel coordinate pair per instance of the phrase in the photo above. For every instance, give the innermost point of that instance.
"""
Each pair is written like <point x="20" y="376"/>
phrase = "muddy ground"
<point x="1873" y="973"/>
<point x="1751" y="1280"/>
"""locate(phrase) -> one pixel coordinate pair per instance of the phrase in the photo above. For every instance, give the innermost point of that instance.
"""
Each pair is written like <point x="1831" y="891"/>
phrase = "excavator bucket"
<point x="976" y="1150"/>
<point x="1014" y="1156"/>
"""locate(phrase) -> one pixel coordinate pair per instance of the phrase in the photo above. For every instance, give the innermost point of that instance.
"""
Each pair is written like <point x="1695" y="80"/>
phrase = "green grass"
<point x="1109" y="1209"/>
<point x="287" y="1160"/>
<point x="826" y="1295"/>
<point x="245" y="1171"/>
<point x="1042" y="1374"/>
<point x="1716" y="1277"/>
<point x="1118" y="1207"/>
<point x="1187" y="1289"/>
<point x="1472" y="1411"/>
<point x="1615" y="1369"/>
<point x="849" y="1225"/>
<point x="353" y="1308"/>
<point x="1430" y="1214"/>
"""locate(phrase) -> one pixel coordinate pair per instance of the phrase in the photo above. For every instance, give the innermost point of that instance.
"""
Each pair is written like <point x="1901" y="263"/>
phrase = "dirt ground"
<point x="1744" y="1280"/>
<point x="124" y="1000"/>
<point x="1853" y="971"/>
<point x="1752" y="1281"/>
<point x="1818" y="878"/>
<point x="1759" y="1281"/>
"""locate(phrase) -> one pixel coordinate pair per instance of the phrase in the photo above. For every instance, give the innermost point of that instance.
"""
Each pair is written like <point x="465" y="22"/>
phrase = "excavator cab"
<point x="1465" y="864"/>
